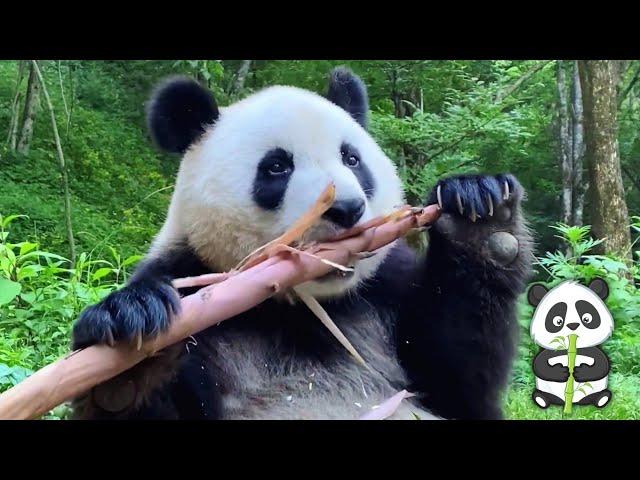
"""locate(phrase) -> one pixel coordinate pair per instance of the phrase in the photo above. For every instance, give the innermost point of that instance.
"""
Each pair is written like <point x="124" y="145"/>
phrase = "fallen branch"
<point x="227" y="295"/>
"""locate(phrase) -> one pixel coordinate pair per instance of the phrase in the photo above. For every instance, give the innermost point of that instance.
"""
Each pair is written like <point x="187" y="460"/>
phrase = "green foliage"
<point x="40" y="297"/>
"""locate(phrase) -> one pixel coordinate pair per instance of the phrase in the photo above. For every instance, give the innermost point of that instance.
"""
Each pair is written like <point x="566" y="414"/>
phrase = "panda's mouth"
<point x="321" y="232"/>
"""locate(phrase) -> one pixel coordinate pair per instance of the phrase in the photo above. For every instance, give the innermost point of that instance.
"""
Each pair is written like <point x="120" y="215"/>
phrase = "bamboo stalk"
<point x="571" y="363"/>
<point x="62" y="165"/>
<point x="224" y="298"/>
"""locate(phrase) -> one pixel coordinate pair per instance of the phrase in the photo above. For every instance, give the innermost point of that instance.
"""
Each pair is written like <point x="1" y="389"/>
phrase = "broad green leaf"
<point x="4" y="221"/>
<point x="101" y="273"/>
<point x="8" y="290"/>
<point x="26" y="247"/>
<point x="132" y="259"/>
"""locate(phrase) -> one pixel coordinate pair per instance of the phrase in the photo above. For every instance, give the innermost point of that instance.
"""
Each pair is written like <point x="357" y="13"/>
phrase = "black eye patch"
<point x="588" y="314"/>
<point x="352" y="160"/>
<point x="558" y="310"/>
<point x="272" y="178"/>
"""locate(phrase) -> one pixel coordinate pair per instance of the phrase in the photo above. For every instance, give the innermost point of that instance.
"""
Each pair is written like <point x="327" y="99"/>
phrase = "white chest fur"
<point x="261" y="383"/>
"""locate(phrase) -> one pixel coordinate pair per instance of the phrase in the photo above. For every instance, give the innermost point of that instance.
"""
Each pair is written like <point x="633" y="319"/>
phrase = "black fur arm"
<point x="599" y="369"/>
<point x="140" y="310"/>
<point x="457" y="333"/>
<point x="543" y="370"/>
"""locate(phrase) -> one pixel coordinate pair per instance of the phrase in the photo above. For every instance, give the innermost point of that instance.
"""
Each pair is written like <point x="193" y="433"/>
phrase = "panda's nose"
<point x="346" y="213"/>
<point x="573" y="326"/>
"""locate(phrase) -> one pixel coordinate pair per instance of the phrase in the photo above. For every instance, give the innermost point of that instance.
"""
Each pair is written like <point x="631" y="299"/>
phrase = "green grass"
<point x="624" y="404"/>
<point x="120" y="184"/>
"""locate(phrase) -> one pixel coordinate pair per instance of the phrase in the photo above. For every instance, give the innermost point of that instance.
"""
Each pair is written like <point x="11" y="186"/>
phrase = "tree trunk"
<point x="608" y="209"/>
<point x="30" y="110"/>
<point x="396" y="97"/>
<point x="579" y="185"/>
<point x="241" y="76"/>
<point x="564" y="145"/>
<point x="12" y="135"/>
<point x="62" y="165"/>
<point x="67" y="112"/>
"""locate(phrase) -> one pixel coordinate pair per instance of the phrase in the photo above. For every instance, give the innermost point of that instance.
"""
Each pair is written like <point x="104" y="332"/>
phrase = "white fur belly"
<point x="322" y="407"/>
<point x="263" y="384"/>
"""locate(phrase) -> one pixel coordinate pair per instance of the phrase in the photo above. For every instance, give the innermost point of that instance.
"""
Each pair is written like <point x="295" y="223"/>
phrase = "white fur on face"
<point x="213" y="203"/>
<point x="570" y="292"/>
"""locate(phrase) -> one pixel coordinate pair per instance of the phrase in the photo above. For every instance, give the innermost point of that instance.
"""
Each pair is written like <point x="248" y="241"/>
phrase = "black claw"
<point x="475" y="196"/>
<point x="138" y="311"/>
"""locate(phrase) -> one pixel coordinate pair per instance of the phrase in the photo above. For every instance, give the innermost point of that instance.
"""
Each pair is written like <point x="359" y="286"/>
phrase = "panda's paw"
<point x="139" y="311"/>
<point x="482" y="213"/>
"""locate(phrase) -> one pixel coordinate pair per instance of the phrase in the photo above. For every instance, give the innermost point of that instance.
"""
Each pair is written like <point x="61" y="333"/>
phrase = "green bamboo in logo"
<point x="568" y="391"/>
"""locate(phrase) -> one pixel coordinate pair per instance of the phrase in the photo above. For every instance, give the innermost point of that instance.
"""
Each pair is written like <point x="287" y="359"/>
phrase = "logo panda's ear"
<point x="536" y="294"/>
<point x="178" y="112"/>
<point x="600" y="287"/>
<point x="348" y="91"/>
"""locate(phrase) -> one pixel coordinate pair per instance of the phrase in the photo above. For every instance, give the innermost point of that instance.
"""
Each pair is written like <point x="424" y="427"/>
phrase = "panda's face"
<point x="265" y="161"/>
<point x="571" y="308"/>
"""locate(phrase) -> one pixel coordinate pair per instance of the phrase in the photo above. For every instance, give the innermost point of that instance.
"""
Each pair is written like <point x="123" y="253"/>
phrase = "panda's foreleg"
<point x="456" y="336"/>
<point x="543" y="369"/>
<point x="140" y="310"/>
<point x="589" y="373"/>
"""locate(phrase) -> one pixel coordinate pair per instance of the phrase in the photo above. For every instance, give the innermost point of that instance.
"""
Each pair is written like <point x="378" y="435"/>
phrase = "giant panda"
<point x="440" y="325"/>
<point x="571" y="308"/>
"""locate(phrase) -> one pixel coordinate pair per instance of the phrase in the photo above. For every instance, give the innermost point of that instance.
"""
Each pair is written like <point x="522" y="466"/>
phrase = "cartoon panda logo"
<point x="570" y="322"/>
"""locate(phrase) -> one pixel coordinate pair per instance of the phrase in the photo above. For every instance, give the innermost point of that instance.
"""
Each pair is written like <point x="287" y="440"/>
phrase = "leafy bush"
<point x="41" y="294"/>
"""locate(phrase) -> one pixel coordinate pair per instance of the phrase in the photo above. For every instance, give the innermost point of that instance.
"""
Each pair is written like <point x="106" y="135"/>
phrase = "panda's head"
<point x="251" y="169"/>
<point x="570" y="308"/>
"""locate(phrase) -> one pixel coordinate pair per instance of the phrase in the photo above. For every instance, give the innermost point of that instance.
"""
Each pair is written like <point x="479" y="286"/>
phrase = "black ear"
<point x="178" y="112"/>
<point x="600" y="287"/>
<point x="349" y="92"/>
<point x="536" y="294"/>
